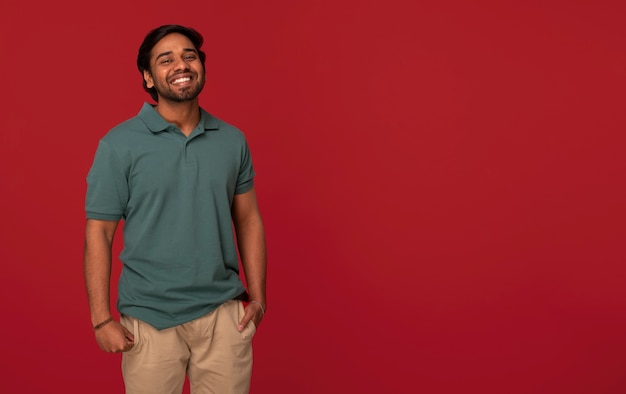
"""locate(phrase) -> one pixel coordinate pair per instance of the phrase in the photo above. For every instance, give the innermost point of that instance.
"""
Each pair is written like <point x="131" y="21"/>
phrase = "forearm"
<point x="97" y="269"/>
<point x="251" y="242"/>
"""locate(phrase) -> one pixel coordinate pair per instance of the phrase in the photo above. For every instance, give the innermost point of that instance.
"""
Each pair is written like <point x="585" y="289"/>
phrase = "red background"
<point x="442" y="185"/>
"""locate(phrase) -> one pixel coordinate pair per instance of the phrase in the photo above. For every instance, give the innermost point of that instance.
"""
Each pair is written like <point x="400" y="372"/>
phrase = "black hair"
<point x="154" y="36"/>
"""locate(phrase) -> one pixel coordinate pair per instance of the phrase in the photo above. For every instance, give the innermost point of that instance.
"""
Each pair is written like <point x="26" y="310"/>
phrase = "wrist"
<point x="260" y="304"/>
<point x="103" y="323"/>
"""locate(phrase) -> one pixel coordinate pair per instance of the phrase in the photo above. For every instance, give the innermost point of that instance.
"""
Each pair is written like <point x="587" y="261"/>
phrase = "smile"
<point x="180" y="80"/>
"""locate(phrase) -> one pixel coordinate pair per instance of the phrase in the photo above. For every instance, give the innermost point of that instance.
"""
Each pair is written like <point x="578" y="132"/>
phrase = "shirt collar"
<point x="156" y="123"/>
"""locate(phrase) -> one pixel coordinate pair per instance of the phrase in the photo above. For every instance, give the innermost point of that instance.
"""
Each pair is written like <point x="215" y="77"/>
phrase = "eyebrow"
<point x="170" y="52"/>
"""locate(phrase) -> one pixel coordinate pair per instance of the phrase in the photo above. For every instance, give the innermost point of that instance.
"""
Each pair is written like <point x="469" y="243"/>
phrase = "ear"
<point x="148" y="78"/>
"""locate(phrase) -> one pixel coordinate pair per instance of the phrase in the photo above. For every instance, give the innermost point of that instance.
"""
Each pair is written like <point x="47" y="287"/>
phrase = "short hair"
<point x="153" y="37"/>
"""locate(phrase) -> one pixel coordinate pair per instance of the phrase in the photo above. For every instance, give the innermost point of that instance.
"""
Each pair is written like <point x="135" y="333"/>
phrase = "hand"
<point x="253" y="312"/>
<point x="114" y="338"/>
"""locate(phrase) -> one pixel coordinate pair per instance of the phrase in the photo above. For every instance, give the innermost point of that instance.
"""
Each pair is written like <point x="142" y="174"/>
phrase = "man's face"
<point x="175" y="69"/>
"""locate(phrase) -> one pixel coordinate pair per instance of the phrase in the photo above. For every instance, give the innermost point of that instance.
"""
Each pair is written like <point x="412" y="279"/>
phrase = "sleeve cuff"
<point x="103" y="216"/>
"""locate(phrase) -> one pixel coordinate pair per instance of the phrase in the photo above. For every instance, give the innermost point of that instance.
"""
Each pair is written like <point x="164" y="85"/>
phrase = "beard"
<point x="189" y="93"/>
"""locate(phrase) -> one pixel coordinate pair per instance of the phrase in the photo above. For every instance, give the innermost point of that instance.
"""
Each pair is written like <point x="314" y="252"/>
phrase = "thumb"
<point x="129" y="335"/>
<point x="244" y="322"/>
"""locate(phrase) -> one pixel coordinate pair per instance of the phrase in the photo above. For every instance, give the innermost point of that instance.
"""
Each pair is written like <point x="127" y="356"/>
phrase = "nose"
<point x="181" y="65"/>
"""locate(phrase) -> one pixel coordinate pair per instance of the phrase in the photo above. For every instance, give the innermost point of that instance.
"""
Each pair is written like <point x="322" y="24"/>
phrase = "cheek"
<point x="160" y="80"/>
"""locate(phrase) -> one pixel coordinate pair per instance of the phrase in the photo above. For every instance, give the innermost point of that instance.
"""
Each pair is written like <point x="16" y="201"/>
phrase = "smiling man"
<point x="181" y="180"/>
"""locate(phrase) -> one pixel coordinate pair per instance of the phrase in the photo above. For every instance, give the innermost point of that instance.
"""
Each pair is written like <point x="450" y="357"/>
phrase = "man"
<point x="180" y="179"/>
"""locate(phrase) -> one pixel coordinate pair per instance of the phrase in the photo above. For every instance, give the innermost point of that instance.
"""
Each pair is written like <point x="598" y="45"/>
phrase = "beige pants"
<point x="210" y="350"/>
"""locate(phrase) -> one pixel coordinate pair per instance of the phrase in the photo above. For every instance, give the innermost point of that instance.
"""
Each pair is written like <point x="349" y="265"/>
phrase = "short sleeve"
<point x="107" y="185"/>
<point x="245" y="179"/>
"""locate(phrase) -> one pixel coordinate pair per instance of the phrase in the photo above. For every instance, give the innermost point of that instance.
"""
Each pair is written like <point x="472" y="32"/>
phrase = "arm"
<point x="251" y="242"/>
<point x="112" y="337"/>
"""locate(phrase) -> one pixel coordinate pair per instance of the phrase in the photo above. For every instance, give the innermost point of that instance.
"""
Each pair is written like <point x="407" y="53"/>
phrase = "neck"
<point x="185" y="115"/>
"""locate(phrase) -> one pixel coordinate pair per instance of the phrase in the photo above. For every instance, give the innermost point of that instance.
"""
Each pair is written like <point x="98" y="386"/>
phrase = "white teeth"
<point x="180" y="80"/>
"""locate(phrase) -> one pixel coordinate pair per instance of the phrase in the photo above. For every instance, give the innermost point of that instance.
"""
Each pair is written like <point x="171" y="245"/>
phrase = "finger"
<point x="129" y="335"/>
<point x="246" y="319"/>
<point x="129" y="345"/>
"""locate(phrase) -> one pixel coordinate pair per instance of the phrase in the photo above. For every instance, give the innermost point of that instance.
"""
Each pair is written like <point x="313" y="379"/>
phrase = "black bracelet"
<point x="100" y="325"/>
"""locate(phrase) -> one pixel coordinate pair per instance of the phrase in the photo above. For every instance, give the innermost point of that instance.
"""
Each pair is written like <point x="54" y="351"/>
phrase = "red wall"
<point x="442" y="185"/>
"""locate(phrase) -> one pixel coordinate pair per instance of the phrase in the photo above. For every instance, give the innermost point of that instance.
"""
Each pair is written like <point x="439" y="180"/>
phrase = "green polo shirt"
<point x="174" y="194"/>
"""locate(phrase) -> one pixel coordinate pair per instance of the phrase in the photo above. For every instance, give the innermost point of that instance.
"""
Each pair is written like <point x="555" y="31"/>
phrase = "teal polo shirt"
<point x="174" y="194"/>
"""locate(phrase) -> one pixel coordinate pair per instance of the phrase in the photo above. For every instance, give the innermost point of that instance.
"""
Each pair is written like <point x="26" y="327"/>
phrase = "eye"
<point x="190" y="57"/>
<point x="165" y="61"/>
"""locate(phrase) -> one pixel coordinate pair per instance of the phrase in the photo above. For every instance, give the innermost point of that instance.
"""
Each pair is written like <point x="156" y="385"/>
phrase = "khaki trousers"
<point x="210" y="350"/>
